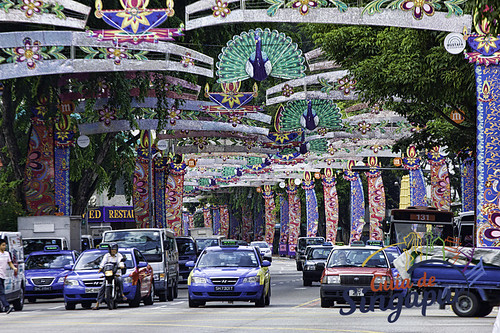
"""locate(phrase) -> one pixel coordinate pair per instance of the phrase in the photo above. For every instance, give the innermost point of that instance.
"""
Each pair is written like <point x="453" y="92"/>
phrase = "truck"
<point x="201" y="233"/>
<point x="40" y="231"/>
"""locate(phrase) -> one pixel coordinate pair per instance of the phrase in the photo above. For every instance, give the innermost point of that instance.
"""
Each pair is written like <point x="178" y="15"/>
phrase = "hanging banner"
<point x="331" y="205"/>
<point x="293" y="217"/>
<point x="269" y="205"/>
<point x="258" y="232"/>
<point x="63" y="142"/>
<point x="311" y="205"/>
<point x="411" y="162"/>
<point x="467" y="173"/>
<point x="357" y="203"/>
<point x="216" y="220"/>
<point x="39" y="172"/>
<point x="376" y="199"/>
<point x="440" y="180"/>
<point x="185" y="224"/>
<point x="141" y="175"/>
<point x="190" y="221"/>
<point x="160" y="170"/>
<point x="283" y="246"/>
<point x="207" y="217"/>
<point x="224" y="220"/>
<point x="234" y="226"/>
<point x="174" y="193"/>
<point x="246" y="223"/>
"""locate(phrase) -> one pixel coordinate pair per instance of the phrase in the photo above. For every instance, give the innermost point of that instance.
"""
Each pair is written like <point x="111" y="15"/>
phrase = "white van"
<point x="14" y="284"/>
<point x="159" y="248"/>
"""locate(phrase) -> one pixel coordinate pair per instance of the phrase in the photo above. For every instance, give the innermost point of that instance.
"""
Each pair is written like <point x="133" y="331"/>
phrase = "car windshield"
<point x="148" y="242"/>
<point x="185" y="246"/>
<point x="304" y="242"/>
<point x="32" y="245"/>
<point x="356" y="257"/>
<point x="203" y="243"/>
<point x="225" y="258"/>
<point x="319" y="254"/>
<point x="49" y="261"/>
<point x="262" y="245"/>
<point x="391" y="255"/>
<point x="91" y="260"/>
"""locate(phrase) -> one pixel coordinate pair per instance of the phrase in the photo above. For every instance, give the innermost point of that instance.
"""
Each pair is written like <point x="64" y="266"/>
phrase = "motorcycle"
<point x="111" y="290"/>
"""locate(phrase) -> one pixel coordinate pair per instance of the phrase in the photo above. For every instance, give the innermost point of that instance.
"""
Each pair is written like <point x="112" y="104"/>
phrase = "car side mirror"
<point x="266" y="263"/>
<point x="320" y="265"/>
<point x="68" y="267"/>
<point x="268" y="258"/>
<point x="142" y="264"/>
<point x="190" y="263"/>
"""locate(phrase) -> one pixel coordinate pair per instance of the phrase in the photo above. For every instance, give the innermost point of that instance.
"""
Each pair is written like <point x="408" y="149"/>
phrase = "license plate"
<point x="224" y="288"/>
<point x="42" y="288"/>
<point x="92" y="290"/>
<point x="357" y="292"/>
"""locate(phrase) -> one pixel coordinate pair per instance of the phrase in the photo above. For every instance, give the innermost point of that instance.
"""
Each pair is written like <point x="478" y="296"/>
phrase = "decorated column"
<point x="207" y="217"/>
<point x="486" y="57"/>
<point x="160" y="169"/>
<point x="467" y="173"/>
<point x="39" y="172"/>
<point x="293" y="216"/>
<point x="246" y="220"/>
<point x="269" y="205"/>
<point x="357" y="203"/>
<point x="141" y="177"/>
<point x="411" y="162"/>
<point x="174" y="193"/>
<point x="216" y="220"/>
<point x="440" y="180"/>
<point x="331" y="205"/>
<point x="311" y="205"/>
<point x="376" y="199"/>
<point x="63" y="142"/>
<point x="283" y="246"/>
<point x="224" y="220"/>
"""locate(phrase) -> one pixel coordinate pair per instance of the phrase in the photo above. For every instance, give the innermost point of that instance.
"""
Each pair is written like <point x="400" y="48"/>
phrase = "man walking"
<point x="5" y="261"/>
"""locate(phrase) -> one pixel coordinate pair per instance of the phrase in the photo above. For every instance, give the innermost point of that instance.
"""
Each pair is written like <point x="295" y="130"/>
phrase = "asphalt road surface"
<point x="293" y="308"/>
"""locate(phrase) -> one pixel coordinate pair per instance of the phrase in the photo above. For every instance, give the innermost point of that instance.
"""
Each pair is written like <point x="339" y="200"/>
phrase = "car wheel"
<point x="170" y="293"/>
<point x="268" y="296"/>
<point x="69" y="305"/>
<point x="193" y="304"/>
<point x="137" y="298"/>
<point x="261" y="302"/>
<point x="32" y="299"/>
<point x="299" y="266"/>
<point x="484" y="309"/>
<point x="307" y="282"/>
<point x="163" y="295"/>
<point x="326" y="303"/>
<point x="466" y="305"/>
<point x="87" y="305"/>
<point x="149" y="300"/>
<point x="19" y="303"/>
<point x="176" y="289"/>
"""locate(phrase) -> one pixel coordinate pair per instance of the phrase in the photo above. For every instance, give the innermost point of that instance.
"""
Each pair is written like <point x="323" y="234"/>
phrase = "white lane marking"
<point x="300" y="288"/>
<point x="56" y="307"/>
<point x="178" y="303"/>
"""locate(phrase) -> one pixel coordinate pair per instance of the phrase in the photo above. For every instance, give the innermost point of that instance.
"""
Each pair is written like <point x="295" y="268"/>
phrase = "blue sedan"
<point x="45" y="273"/>
<point x="229" y="273"/>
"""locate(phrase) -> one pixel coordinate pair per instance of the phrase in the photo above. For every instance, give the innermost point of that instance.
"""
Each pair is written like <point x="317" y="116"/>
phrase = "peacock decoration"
<point x="258" y="54"/>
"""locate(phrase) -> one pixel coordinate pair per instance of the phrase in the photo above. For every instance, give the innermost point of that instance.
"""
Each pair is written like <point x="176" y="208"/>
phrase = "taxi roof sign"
<point x="372" y="242"/>
<point x="52" y="248"/>
<point x="229" y="242"/>
<point x="104" y="246"/>
<point x="358" y="243"/>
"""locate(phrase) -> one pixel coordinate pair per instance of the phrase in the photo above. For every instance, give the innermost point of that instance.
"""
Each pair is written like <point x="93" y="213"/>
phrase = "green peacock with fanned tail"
<point x="258" y="54"/>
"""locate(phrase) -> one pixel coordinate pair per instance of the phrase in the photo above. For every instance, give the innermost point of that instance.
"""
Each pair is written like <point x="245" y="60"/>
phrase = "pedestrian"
<point x="5" y="261"/>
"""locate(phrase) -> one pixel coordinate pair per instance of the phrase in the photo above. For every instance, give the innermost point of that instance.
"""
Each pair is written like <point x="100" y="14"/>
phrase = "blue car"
<point x="45" y="273"/>
<point x="229" y="272"/>
<point x="83" y="282"/>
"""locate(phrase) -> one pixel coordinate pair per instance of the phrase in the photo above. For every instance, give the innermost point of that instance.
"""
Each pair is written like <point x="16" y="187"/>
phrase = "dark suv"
<point x="188" y="251"/>
<point x="302" y="243"/>
<point x="314" y="264"/>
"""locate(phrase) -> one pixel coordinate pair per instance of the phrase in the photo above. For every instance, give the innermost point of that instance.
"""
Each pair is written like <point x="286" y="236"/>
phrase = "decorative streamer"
<point x="467" y="172"/>
<point x="224" y="220"/>
<point x="216" y="218"/>
<point x="417" y="183"/>
<point x="191" y="221"/>
<point x="160" y="169"/>
<point x="174" y="193"/>
<point x="258" y="233"/>
<point x="283" y="246"/>
<point x="141" y="176"/>
<point x="376" y="199"/>
<point x="39" y="172"/>
<point x="246" y="223"/>
<point x="185" y="224"/>
<point x="311" y="205"/>
<point x="63" y="142"/>
<point x="357" y="203"/>
<point x="331" y="205"/>
<point x="207" y="217"/>
<point x="269" y="205"/>
<point x="440" y="180"/>
<point x="293" y="217"/>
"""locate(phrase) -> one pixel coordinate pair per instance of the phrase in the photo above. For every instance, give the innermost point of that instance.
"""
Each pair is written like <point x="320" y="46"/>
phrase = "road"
<point x="293" y="308"/>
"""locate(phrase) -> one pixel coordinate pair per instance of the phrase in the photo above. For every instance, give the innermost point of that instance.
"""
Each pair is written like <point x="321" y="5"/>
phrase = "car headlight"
<point x="61" y="279"/>
<point x="70" y="282"/>
<point x="158" y="276"/>
<point x="251" y="279"/>
<point x="198" y="280"/>
<point x="380" y="279"/>
<point x="331" y="279"/>
<point x="309" y="267"/>
<point x="127" y="279"/>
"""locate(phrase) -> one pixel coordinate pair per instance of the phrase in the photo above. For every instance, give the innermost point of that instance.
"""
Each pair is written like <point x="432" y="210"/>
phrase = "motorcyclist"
<point x="111" y="257"/>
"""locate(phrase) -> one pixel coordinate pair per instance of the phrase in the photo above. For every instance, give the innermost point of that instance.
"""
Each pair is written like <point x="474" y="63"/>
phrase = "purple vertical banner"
<point x="247" y="221"/>
<point x="311" y="205"/>
<point x="216" y="222"/>
<point x="357" y="203"/>
<point x="141" y="178"/>
<point x="160" y="170"/>
<point x="294" y="217"/>
<point x="63" y="142"/>
<point x="467" y="173"/>
<point x="185" y="224"/>
<point x="283" y="246"/>
<point x="233" y="226"/>
<point x="411" y="162"/>
<point x="258" y="233"/>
